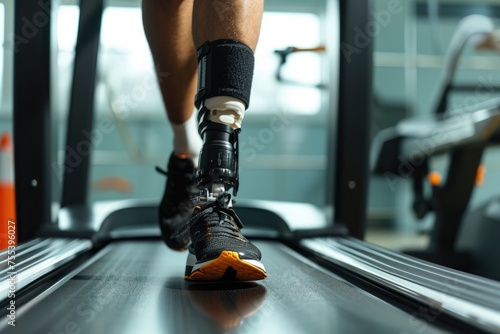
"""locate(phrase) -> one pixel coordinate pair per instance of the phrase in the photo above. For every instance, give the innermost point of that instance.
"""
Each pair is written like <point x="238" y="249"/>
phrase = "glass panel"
<point x="65" y="21"/>
<point x="279" y="31"/>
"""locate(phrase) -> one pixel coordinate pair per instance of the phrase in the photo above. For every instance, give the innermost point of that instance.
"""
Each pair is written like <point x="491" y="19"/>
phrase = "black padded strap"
<point x="225" y="69"/>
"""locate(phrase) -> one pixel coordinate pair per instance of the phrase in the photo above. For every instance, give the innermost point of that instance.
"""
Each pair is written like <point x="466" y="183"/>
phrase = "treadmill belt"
<point x="138" y="287"/>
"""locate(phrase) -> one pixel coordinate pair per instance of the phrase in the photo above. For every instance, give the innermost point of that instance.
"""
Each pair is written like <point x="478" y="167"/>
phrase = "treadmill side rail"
<point x="36" y="259"/>
<point x="469" y="298"/>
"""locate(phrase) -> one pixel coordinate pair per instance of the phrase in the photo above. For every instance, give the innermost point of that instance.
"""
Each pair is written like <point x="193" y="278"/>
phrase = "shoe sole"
<point x="228" y="266"/>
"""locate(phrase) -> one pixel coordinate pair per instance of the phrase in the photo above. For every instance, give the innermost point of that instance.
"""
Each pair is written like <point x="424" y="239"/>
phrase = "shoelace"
<point x="219" y="206"/>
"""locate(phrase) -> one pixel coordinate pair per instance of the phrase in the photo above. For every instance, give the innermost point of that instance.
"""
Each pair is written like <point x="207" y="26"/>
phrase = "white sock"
<point x="187" y="141"/>
<point x="226" y="110"/>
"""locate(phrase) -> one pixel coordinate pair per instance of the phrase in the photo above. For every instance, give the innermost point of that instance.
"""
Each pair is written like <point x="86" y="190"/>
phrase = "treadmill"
<point x="102" y="268"/>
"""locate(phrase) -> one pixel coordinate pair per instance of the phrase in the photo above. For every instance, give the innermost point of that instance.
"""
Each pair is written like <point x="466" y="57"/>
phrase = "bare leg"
<point x="171" y="25"/>
<point x="167" y="24"/>
<point x="227" y="19"/>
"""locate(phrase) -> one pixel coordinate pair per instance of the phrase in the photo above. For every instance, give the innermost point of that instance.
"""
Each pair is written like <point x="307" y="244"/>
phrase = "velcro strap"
<point x="225" y="68"/>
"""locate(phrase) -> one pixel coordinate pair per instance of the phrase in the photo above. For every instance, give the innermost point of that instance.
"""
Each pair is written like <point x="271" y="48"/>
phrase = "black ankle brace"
<point x="225" y="69"/>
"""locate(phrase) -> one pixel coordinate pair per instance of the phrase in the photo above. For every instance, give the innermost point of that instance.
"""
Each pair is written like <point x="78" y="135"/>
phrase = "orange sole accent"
<point x="216" y="269"/>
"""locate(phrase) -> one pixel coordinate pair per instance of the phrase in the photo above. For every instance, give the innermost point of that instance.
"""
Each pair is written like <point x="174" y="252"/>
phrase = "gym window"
<point x="124" y="46"/>
<point x="67" y="23"/>
<point x="279" y="31"/>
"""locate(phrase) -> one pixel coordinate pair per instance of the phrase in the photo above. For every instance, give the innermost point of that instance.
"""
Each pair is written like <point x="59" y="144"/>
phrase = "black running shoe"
<point x="219" y="251"/>
<point x="177" y="203"/>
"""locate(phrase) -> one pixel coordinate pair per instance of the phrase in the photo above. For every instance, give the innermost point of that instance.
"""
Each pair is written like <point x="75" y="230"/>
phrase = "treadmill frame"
<point x="32" y="127"/>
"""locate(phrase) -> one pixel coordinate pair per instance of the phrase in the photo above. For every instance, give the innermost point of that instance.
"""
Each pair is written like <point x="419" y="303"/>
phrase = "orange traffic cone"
<point x="8" y="228"/>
